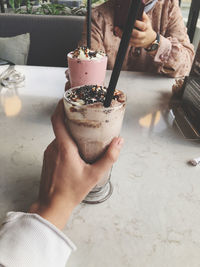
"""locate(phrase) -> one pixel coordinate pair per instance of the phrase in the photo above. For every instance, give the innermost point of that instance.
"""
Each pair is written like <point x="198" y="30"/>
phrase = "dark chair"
<point x="52" y="37"/>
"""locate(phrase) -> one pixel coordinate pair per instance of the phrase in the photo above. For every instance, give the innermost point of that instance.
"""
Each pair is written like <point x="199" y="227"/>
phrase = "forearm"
<point x="57" y="212"/>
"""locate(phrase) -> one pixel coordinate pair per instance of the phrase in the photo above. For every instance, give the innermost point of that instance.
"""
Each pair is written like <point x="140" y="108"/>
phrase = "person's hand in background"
<point x="66" y="179"/>
<point x="67" y="84"/>
<point x="142" y="35"/>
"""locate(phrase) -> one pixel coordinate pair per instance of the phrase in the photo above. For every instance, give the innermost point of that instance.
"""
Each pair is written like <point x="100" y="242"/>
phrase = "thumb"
<point x="145" y="18"/>
<point x="109" y="158"/>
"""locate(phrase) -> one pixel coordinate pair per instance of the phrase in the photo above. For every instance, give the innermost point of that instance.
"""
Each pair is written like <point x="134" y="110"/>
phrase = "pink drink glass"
<point x="86" y="71"/>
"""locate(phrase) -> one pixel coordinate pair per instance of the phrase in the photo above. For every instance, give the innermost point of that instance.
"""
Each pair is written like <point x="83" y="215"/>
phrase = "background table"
<point x="153" y="217"/>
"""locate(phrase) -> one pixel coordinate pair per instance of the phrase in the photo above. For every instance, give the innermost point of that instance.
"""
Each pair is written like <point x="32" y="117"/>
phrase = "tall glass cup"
<point x="93" y="127"/>
<point x="86" y="71"/>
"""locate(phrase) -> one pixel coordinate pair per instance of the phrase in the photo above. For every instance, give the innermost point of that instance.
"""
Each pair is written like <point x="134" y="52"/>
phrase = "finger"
<point x="140" y="25"/>
<point x="145" y="18"/>
<point x="67" y="73"/>
<point x="137" y="34"/>
<point x="58" y="123"/>
<point x="67" y="86"/>
<point x="105" y="163"/>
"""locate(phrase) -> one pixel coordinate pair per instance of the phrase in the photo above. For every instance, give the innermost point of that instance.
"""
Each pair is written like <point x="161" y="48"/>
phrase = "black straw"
<point x="89" y="24"/>
<point x="132" y="15"/>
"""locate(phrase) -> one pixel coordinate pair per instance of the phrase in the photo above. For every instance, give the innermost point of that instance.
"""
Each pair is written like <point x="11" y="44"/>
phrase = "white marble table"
<point x="153" y="217"/>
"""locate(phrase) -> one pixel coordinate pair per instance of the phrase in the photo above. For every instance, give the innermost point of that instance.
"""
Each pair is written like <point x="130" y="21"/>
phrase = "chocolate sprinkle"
<point x="90" y="94"/>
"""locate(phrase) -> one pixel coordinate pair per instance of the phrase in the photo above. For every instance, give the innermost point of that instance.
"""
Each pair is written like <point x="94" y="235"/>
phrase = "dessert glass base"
<point x="99" y="194"/>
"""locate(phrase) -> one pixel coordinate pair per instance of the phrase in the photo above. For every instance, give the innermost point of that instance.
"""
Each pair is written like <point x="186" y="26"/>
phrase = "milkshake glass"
<point x="86" y="67"/>
<point x="93" y="127"/>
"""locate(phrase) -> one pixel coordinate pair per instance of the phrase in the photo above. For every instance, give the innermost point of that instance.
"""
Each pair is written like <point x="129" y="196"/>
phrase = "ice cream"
<point x="91" y="124"/>
<point x="86" y="67"/>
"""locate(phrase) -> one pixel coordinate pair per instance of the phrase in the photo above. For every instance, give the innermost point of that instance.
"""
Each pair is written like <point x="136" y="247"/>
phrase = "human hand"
<point x="142" y="35"/>
<point x="67" y="74"/>
<point x="67" y="86"/>
<point x="66" y="179"/>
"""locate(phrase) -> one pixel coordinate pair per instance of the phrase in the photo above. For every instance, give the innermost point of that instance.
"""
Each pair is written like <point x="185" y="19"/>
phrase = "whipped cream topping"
<point x="92" y="94"/>
<point x="84" y="53"/>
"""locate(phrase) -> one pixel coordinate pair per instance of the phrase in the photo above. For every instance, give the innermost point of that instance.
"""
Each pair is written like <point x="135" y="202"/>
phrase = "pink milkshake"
<point x="93" y="127"/>
<point x="86" y="67"/>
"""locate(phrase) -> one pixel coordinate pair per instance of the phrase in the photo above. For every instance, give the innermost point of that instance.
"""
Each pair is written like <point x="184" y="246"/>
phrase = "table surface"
<point x="153" y="217"/>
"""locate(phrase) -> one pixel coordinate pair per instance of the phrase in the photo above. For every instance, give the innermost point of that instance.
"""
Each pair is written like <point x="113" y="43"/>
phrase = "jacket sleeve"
<point x="175" y="54"/>
<point x="28" y="240"/>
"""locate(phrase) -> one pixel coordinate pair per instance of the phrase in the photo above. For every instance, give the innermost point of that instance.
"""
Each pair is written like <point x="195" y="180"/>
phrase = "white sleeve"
<point x="28" y="240"/>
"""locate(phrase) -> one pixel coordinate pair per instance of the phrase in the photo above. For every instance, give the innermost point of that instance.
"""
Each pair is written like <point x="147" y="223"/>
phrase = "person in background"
<point x="34" y="239"/>
<point x="159" y="42"/>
